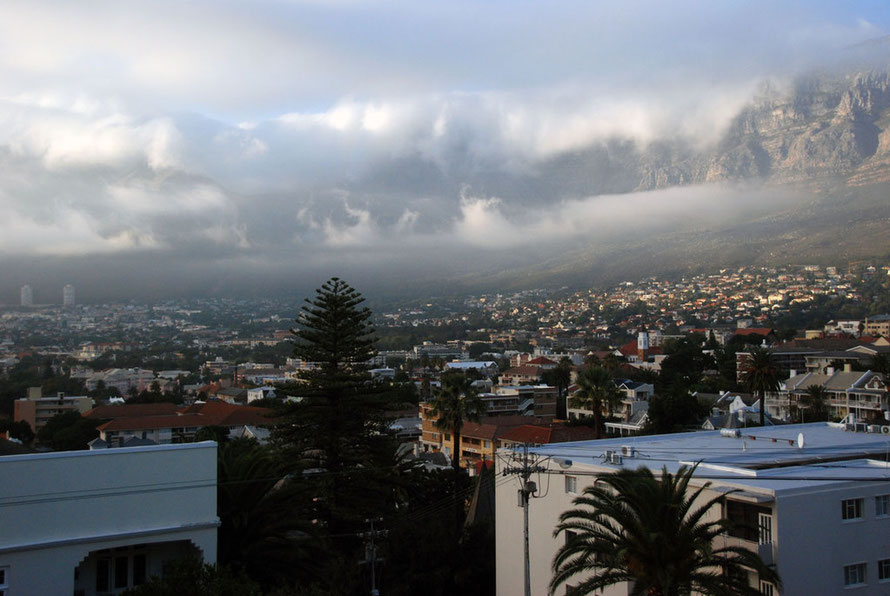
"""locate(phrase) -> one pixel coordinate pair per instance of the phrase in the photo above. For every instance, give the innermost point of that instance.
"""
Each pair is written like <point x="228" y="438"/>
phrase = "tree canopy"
<point x="631" y="527"/>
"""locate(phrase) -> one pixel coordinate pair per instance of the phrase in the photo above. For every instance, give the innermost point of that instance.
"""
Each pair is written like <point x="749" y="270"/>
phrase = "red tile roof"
<point x="131" y="411"/>
<point x="524" y="371"/>
<point x="212" y="413"/>
<point x="541" y="361"/>
<point x="553" y="433"/>
<point x="754" y="331"/>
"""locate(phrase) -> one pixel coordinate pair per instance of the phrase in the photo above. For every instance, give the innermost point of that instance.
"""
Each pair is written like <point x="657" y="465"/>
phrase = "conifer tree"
<point x="337" y="435"/>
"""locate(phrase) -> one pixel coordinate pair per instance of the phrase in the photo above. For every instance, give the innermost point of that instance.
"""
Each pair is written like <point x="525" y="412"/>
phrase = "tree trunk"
<point x="455" y="460"/>
<point x="762" y="408"/>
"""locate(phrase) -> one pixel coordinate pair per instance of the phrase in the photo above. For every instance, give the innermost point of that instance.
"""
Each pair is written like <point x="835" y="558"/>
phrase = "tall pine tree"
<point x="337" y="435"/>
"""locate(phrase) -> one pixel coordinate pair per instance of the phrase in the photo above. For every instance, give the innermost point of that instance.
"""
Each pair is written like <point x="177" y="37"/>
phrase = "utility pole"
<point x="371" y="553"/>
<point x="525" y="493"/>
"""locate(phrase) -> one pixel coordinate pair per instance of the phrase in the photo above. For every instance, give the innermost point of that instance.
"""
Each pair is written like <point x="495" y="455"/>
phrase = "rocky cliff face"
<point x="824" y="127"/>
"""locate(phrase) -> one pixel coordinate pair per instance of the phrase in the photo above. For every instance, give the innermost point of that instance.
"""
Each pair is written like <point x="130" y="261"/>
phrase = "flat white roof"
<point x="767" y="458"/>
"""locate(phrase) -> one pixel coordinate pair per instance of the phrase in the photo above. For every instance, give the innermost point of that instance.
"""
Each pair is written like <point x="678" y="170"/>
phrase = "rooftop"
<point x="766" y="458"/>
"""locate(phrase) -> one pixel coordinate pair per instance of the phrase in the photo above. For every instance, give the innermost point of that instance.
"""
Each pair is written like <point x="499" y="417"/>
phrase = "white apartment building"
<point x="100" y="522"/>
<point x="817" y="508"/>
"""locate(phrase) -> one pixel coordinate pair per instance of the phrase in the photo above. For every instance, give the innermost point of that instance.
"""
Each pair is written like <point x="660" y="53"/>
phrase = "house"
<point x="811" y="499"/>
<point x="260" y="393"/>
<point x="634" y="399"/>
<point x="181" y="426"/>
<point x="37" y="409"/>
<point x="544" y="434"/>
<point x="99" y="522"/>
<point x="538" y="400"/>
<point x="122" y="379"/>
<point x="865" y="395"/>
<point x="526" y="374"/>
<point x="488" y="368"/>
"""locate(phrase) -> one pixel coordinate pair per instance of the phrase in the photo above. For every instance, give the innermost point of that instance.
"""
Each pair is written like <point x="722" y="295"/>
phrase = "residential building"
<point x="122" y="379"/>
<point x="181" y="427"/>
<point x="863" y="394"/>
<point x="877" y="325"/>
<point x="488" y="368"/>
<point x="99" y="522"/>
<point x="479" y="440"/>
<point x="525" y="400"/>
<point x="811" y="499"/>
<point x="260" y="393"/>
<point x="37" y="409"/>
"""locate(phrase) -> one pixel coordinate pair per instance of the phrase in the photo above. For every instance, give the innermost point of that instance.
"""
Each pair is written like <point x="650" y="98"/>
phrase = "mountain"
<point x="824" y="137"/>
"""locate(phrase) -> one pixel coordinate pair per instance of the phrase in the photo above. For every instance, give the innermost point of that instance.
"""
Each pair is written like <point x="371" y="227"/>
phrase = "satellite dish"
<point x="800" y="440"/>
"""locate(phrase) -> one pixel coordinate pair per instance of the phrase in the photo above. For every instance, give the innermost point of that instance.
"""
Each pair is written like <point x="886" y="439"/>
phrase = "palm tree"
<point x="455" y="403"/>
<point x="560" y="377"/>
<point x="631" y="527"/>
<point x="815" y="399"/>
<point x="595" y="390"/>
<point x="761" y="376"/>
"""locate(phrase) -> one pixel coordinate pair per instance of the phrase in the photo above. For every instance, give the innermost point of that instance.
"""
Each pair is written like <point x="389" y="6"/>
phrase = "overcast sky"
<point x="224" y="140"/>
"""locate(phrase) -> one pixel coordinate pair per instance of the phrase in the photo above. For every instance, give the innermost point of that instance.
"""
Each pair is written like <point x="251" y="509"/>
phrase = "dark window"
<point x="139" y="569"/>
<point x="744" y="518"/>
<point x="851" y="509"/>
<point x="884" y="569"/>
<point x="103" y="572"/>
<point x="121" y="572"/>
<point x="854" y="575"/>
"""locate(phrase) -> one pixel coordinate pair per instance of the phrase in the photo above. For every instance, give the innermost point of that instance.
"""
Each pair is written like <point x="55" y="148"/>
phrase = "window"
<point x="4" y="581"/>
<point x="126" y="568"/>
<point x="854" y="575"/>
<point x="884" y="570"/>
<point x="767" y="589"/>
<point x="882" y="505"/>
<point x="103" y="574"/>
<point x="764" y="528"/>
<point x="851" y="509"/>
<point x="745" y="521"/>
<point x="571" y="484"/>
<point x="121" y="572"/>
<point x="140" y="569"/>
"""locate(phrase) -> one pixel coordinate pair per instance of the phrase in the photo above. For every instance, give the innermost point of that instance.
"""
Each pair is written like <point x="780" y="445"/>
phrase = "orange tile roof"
<point x="131" y="411"/>
<point x="553" y="433"/>
<point x="212" y="413"/>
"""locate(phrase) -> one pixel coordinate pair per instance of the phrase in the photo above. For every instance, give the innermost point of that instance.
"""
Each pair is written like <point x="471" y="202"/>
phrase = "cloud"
<point x="268" y="132"/>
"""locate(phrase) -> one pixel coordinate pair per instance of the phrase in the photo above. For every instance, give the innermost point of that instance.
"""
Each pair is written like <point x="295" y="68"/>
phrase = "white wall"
<point x="815" y="542"/>
<point x="55" y="508"/>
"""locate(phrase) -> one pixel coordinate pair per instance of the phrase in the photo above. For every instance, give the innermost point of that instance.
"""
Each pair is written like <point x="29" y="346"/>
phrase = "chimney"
<point x="792" y="373"/>
<point x="35" y="392"/>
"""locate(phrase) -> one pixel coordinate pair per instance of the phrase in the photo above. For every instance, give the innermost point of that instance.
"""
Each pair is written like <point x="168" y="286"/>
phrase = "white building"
<point x="99" y="522"/>
<point x="820" y="513"/>
<point x="27" y="295"/>
<point x="68" y="296"/>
